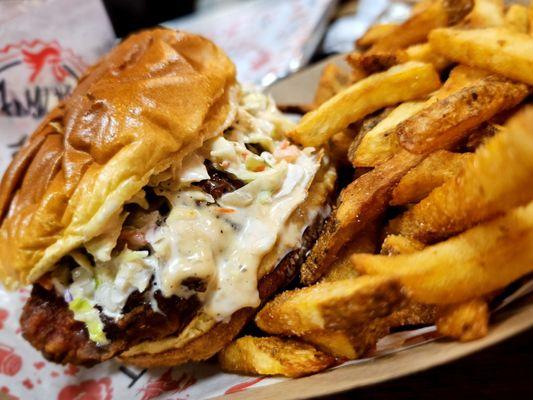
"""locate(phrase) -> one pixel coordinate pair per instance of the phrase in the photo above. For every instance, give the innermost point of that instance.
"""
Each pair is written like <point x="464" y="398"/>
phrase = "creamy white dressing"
<point x="218" y="242"/>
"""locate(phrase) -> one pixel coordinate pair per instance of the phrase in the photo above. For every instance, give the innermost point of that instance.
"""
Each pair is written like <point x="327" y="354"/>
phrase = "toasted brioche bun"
<point x="139" y="111"/>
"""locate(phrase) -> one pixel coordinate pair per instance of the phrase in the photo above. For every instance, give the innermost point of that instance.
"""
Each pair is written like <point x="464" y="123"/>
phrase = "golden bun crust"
<point x="136" y="113"/>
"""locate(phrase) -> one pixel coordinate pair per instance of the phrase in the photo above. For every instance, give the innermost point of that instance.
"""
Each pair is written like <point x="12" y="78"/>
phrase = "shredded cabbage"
<point x="85" y="312"/>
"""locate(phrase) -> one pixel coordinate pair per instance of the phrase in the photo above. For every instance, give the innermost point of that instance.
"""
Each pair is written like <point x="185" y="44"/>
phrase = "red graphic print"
<point x="71" y="370"/>
<point x="5" y="390"/>
<point x="27" y="384"/>
<point x="3" y="317"/>
<point x="89" y="390"/>
<point x="39" y="364"/>
<point x="244" y="385"/>
<point x="49" y="55"/>
<point x="10" y="362"/>
<point x="165" y="383"/>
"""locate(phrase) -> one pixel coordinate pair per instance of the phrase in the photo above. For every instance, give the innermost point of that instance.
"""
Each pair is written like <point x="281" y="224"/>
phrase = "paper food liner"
<point x="36" y="71"/>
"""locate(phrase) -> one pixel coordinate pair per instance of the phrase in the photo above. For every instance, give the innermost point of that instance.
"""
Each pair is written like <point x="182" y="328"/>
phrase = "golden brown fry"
<point x="339" y="145"/>
<point x="425" y="17"/>
<point x="374" y="61"/>
<point x="381" y="143"/>
<point x="424" y="52"/>
<point x="397" y="244"/>
<point x="342" y="268"/>
<point x="517" y="19"/>
<point x="473" y="264"/>
<point x="429" y="174"/>
<point x="485" y="14"/>
<point x="464" y="321"/>
<point x="400" y="83"/>
<point x="332" y="81"/>
<point x="495" y="49"/>
<point x="330" y="305"/>
<point x="360" y="203"/>
<point x="363" y="127"/>
<point x="273" y="356"/>
<point x="480" y="135"/>
<point x="374" y="34"/>
<point x="495" y="180"/>
<point x="447" y="121"/>
<point x="530" y="16"/>
<point x="349" y="344"/>
<point x="356" y="342"/>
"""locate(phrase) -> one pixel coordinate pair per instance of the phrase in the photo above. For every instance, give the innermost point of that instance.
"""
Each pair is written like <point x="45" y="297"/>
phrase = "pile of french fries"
<point x="434" y="120"/>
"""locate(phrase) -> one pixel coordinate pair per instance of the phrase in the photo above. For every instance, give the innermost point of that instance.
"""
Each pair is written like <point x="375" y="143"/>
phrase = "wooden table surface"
<point x="504" y="371"/>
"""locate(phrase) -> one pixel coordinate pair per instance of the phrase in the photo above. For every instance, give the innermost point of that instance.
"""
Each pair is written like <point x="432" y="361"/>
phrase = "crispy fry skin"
<point x="330" y="305"/>
<point x="349" y="344"/>
<point x="374" y="34"/>
<point x="400" y="83"/>
<point x="516" y="18"/>
<point x="485" y="14"/>
<point x="496" y="179"/>
<point x="342" y="268"/>
<point x="381" y="143"/>
<point x="363" y="127"/>
<point x="424" y="52"/>
<point x="495" y="49"/>
<point x="358" y="341"/>
<point x="332" y="81"/>
<point x="360" y="203"/>
<point x="465" y="266"/>
<point x="380" y="60"/>
<point x="447" y="121"/>
<point x="425" y="17"/>
<point x="273" y="356"/>
<point x="429" y="174"/>
<point x="530" y="17"/>
<point x="396" y="244"/>
<point x="464" y="321"/>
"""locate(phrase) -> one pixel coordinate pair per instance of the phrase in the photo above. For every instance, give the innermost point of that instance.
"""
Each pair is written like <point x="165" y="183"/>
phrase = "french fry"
<point x="426" y="176"/>
<point x="339" y="145"/>
<point x="330" y="305"/>
<point x="463" y="267"/>
<point x="495" y="49"/>
<point x="397" y="244"/>
<point x="332" y="81"/>
<point x="426" y="17"/>
<point x="363" y="127"/>
<point x="497" y="178"/>
<point x="342" y="268"/>
<point x="375" y="33"/>
<point x="400" y="83"/>
<point x="349" y="344"/>
<point x="360" y="203"/>
<point x="359" y="340"/>
<point x="517" y="19"/>
<point x="449" y="120"/>
<point x="485" y="14"/>
<point x="480" y="135"/>
<point x="423" y="52"/>
<point x="381" y="142"/>
<point x="273" y="356"/>
<point x="464" y="321"/>
<point x="530" y="16"/>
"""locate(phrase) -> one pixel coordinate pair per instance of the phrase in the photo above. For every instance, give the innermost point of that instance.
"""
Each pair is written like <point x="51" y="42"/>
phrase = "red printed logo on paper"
<point x="35" y="75"/>
<point x="10" y="362"/>
<point x="243" y="386"/>
<point x="88" y="390"/>
<point x="165" y="383"/>
<point x="3" y="317"/>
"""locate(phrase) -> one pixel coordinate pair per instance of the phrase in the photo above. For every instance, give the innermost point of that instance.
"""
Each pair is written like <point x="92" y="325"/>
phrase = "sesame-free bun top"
<point x="132" y="118"/>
